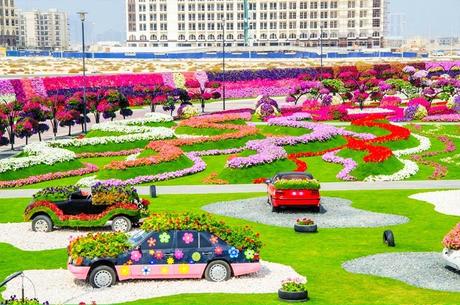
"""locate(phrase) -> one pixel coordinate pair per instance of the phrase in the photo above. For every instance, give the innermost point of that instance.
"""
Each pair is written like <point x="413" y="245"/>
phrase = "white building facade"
<point x="205" y="23"/>
<point x="8" y="24"/>
<point x="45" y="30"/>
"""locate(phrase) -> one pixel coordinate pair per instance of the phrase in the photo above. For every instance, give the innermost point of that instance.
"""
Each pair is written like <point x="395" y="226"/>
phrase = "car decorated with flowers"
<point x="169" y="246"/>
<point x="69" y="206"/>
<point x="293" y="189"/>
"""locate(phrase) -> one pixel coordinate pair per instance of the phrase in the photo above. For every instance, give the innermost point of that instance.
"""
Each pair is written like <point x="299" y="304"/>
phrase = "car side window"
<point x="159" y="240"/>
<point x="187" y="239"/>
<point x="205" y="240"/>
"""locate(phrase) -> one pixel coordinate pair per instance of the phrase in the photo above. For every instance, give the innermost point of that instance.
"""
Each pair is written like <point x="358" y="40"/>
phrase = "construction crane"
<point x="246" y="22"/>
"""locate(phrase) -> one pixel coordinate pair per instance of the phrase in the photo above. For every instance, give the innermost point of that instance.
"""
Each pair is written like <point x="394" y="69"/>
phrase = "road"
<point x="259" y="188"/>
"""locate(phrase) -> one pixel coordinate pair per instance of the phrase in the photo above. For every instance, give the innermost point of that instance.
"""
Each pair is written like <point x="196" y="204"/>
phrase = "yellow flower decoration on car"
<point x="164" y="270"/>
<point x="170" y="261"/>
<point x="184" y="268"/>
<point x="125" y="270"/>
<point x="196" y="256"/>
<point x="152" y="252"/>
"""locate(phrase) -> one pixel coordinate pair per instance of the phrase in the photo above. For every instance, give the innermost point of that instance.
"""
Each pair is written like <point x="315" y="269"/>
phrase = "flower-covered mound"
<point x="452" y="239"/>
<point x="297" y="184"/>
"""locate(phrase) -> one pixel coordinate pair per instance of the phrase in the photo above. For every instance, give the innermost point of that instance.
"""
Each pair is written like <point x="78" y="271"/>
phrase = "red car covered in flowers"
<point x="70" y="207"/>
<point x="293" y="189"/>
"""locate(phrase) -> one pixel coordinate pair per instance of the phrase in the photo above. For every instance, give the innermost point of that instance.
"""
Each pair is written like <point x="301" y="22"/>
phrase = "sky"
<point x="106" y="21"/>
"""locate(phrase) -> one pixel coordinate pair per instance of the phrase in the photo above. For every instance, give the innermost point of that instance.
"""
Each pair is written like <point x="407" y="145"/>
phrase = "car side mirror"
<point x="268" y="181"/>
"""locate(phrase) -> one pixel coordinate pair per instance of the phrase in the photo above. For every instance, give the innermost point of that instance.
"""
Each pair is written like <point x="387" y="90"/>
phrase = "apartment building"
<point x="207" y="23"/>
<point x="44" y="30"/>
<point x="8" y="26"/>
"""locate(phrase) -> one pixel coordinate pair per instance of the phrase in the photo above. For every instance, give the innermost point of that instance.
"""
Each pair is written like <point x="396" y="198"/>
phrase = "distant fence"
<point x="216" y="55"/>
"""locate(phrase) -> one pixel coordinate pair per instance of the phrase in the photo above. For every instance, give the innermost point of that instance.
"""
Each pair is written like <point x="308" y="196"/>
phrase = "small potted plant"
<point x="451" y="252"/>
<point x="305" y="225"/>
<point x="293" y="290"/>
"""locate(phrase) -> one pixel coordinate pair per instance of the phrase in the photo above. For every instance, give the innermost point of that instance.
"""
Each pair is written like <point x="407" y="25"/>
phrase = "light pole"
<point x="82" y="18"/>
<point x="321" y="51"/>
<point x="223" y="64"/>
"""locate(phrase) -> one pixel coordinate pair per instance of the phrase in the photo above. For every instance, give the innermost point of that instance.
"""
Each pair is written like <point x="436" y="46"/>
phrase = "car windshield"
<point x="137" y="237"/>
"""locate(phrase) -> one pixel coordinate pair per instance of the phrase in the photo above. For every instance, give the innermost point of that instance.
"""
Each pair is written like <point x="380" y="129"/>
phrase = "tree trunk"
<point x="27" y="140"/>
<point x="98" y="117"/>
<point x="39" y="136"/>
<point x="70" y="129"/>
<point x="202" y="105"/>
<point x="55" y="127"/>
<point x="11" y="140"/>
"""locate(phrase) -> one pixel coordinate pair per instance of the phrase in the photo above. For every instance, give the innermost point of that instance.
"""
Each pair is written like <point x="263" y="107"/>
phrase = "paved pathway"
<point x="260" y="188"/>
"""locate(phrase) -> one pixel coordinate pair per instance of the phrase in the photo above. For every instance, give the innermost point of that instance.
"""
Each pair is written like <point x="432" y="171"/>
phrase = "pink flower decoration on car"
<point x="136" y="255"/>
<point x="152" y="242"/>
<point x="159" y="255"/>
<point x="214" y="239"/>
<point x="218" y="250"/>
<point x="178" y="254"/>
<point x="188" y="238"/>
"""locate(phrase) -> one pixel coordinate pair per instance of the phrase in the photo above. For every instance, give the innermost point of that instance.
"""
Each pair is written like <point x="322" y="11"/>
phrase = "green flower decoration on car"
<point x="196" y="256"/>
<point x="249" y="254"/>
<point x="164" y="238"/>
<point x="233" y="252"/>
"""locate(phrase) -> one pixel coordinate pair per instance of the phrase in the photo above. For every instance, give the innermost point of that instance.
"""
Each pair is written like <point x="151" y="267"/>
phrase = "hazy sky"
<point x="106" y="17"/>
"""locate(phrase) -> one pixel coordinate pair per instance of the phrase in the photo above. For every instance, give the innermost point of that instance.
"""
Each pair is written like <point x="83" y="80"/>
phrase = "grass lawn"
<point x="100" y="133"/>
<point x="40" y="169"/>
<point x="109" y="147"/>
<point x="317" y="256"/>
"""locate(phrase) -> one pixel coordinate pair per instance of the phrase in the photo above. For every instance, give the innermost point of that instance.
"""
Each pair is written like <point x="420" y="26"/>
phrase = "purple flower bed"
<point x="349" y="165"/>
<point x="443" y="118"/>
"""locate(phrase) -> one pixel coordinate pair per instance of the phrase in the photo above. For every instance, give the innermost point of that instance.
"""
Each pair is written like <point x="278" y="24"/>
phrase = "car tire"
<point x="316" y="209"/>
<point x="42" y="223"/>
<point x="121" y="224"/>
<point x="389" y="238"/>
<point x="218" y="271"/>
<point x="270" y="202"/>
<point x="102" y="277"/>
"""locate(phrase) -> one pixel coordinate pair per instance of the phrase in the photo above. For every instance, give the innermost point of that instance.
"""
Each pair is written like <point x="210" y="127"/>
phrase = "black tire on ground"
<point x="218" y="271"/>
<point x="121" y="224"/>
<point x="316" y="209"/>
<point x="42" y="223"/>
<point x="270" y="202"/>
<point x="102" y="277"/>
<point x="389" y="238"/>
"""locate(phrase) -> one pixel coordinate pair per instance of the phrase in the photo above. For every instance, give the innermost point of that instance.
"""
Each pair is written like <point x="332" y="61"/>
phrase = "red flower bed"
<point x="376" y="153"/>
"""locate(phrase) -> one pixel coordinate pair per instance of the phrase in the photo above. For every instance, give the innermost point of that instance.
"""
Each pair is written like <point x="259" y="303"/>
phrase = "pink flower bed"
<point x="88" y="169"/>
<point x="109" y="153"/>
<point x="253" y="88"/>
<point x="443" y="118"/>
<point x="349" y="165"/>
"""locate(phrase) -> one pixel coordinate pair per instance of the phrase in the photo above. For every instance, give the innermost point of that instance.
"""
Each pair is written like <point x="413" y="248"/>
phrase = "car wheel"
<point x="42" y="223"/>
<point x="316" y="209"/>
<point x="217" y="271"/>
<point x="102" y="277"/>
<point x="121" y="224"/>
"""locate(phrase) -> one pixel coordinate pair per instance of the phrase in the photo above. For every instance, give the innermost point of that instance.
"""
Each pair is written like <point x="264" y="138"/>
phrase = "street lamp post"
<point x="223" y="64"/>
<point x="82" y="18"/>
<point x="321" y="50"/>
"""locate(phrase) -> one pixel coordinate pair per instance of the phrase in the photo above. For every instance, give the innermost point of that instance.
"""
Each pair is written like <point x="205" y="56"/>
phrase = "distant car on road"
<point x="293" y="189"/>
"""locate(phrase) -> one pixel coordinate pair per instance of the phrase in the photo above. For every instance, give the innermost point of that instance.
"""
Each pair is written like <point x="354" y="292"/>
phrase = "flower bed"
<point x="98" y="245"/>
<point x="58" y="193"/>
<point x="348" y="163"/>
<point x="442" y="118"/>
<point x="452" y="239"/>
<point x="88" y="169"/>
<point x="297" y="184"/>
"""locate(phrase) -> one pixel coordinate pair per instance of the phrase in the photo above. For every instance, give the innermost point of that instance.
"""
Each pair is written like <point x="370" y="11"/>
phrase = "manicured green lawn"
<point x="100" y="133"/>
<point x="318" y="256"/>
<point x="40" y="169"/>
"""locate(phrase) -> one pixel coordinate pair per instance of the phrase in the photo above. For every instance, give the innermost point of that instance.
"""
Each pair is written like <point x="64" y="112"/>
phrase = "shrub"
<point x="101" y="245"/>
<point x="420" y="113"/>
<point x="57" y="193"/>
<point x="13" y="300"/>
<point x="239" y="237"/>
<point x="390" y="101"/>
<point x="297" y="184"/>
<point x="294" y="285"/>
<point x="187" y="111"/>
<point x="452" y="239"/>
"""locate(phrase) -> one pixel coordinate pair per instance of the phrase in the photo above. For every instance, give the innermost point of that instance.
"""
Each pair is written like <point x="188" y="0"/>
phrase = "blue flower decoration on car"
<point x="233" y="252"/>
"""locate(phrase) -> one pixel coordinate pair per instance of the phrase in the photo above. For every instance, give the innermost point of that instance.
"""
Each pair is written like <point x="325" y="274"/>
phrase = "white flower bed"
<point x="87" y="181"/>
<point x="369" y="110"/>
<point x="424" y="145"/>
<point x="39" y="153"/>
<point x="133" y="125"/>
<point x="410" y="169"/>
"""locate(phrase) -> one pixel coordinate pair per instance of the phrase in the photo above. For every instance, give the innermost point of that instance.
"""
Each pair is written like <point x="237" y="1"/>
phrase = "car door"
<point x="189" y="260"/>
<point x="152" y="255"/>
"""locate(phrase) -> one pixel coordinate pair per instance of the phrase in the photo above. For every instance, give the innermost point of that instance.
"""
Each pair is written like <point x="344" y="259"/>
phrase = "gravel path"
<point x="21" y="236"/>
<point x="335" y="213"/>
<point x="420" y="269"/>
<point x="445" y="202"/>
<point x="59" y="286"/>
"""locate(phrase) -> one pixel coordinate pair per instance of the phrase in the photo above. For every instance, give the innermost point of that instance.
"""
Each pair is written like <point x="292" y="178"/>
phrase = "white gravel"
<point x="421" y="269"/>
<point x="445" y="202"/>
<point x="22" y="237"/>
<point x="335" y="213"/>
<point x="60" y="287"/>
